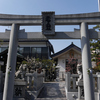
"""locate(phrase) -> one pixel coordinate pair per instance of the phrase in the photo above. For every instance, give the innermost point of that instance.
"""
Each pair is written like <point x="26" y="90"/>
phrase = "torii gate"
<point x="48" y="20"/>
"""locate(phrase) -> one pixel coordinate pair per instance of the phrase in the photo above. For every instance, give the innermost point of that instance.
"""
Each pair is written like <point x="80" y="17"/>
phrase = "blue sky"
<point x="35" y="7"/>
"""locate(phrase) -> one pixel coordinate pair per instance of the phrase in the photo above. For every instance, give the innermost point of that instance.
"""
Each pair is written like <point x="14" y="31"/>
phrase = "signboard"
<point x="48" y="23"/>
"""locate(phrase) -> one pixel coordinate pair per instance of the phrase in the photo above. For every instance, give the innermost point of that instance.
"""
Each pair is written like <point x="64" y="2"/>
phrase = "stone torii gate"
<point x="48" y="20"/>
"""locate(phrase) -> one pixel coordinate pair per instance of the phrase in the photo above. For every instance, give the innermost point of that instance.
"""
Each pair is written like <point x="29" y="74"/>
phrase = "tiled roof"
<point x="66" y="49"/>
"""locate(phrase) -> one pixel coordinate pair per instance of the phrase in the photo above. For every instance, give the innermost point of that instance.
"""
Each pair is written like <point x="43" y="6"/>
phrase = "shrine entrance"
<point x="48" y="20"/>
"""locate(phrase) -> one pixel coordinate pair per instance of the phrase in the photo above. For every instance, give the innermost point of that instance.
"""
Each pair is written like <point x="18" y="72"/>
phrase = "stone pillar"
<point x="86" y="63"/>
<point x="11" y="64"/>
<point x="67" y="81"/>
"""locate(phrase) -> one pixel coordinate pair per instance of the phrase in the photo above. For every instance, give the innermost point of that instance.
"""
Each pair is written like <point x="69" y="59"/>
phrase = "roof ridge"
<point x="65" y="49"/>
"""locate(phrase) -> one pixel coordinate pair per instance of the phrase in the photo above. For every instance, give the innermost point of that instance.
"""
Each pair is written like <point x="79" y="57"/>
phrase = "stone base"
<point x="79" y="99"/>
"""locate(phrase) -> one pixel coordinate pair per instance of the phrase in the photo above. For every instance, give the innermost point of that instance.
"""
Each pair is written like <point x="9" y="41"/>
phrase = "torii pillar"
<point x="11" y="64"/>
<point x="86" y="63"/>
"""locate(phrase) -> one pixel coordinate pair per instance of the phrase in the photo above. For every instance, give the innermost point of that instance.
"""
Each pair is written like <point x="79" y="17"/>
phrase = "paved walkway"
<point x="53" y="91"/>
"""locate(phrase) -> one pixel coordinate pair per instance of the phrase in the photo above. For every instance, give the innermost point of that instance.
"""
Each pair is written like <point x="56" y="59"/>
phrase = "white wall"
<point x="62" y="60"/>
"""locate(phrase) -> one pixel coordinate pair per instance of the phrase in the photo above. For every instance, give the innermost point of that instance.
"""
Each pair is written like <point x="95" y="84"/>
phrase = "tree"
<point x="49" y="66"/>
<point x="71" y="65"/>
<point x="95" y="50"/>
<point x="32" y="63"/>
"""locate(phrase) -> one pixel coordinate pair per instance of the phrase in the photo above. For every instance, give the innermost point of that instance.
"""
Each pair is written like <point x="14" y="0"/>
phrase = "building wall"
<point x="32" y="44"/>
<point x="62" y="61"/>
<point x="67" y="55"/>
<point x="27" y="49"/>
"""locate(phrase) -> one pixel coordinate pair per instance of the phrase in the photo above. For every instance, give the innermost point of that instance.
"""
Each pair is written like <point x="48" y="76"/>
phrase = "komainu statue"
<point x="21" y="70"/>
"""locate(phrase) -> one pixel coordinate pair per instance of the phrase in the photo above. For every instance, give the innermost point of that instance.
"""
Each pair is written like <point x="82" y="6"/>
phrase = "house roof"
<point x="72" y="46"/>
<point x="32" y="40"/>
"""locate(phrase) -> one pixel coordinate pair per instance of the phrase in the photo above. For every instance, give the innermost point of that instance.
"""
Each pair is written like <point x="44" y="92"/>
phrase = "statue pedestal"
<point x="19" y="89"/>
<point x="80" y="90"/>
<point x="79" y="83"/>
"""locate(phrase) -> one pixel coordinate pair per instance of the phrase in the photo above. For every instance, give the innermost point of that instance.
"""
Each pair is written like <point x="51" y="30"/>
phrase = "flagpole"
<point x="99" y="5"/>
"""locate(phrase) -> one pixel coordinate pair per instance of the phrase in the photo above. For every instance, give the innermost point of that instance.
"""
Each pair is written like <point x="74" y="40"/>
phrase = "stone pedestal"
<point x="80" y="90"/>
<point x="19" y="89"/>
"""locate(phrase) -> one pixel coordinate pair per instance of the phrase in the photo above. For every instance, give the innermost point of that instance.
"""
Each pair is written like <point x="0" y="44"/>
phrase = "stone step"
<point x="51" y="99"/>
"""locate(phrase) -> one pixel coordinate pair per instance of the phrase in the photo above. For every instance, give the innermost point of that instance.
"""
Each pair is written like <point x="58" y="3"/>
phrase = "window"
<point x="26" y="51"/>
<point x="36" y="52"/>
<point x="33" y="52"/>
<point x="44" y="52"/>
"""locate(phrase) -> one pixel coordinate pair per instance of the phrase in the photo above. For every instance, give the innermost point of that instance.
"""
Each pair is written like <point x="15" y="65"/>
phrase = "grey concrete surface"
<point x="53" y="91"/>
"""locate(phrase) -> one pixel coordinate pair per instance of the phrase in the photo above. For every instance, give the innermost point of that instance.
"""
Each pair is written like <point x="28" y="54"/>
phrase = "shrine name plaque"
<point x="48" y="23"/>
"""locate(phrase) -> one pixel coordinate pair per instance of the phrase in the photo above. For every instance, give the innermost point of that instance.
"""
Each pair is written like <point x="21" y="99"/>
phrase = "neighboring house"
<point x="3" y="59"/>
<point x="70" y="55"/>
<point x="33" y="48"/>
<point x="41" y="49"/>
